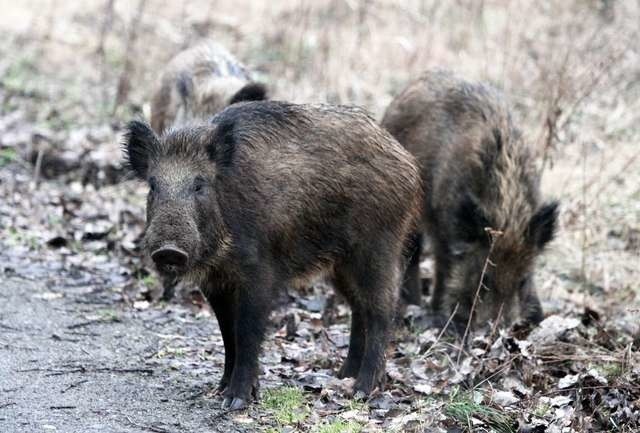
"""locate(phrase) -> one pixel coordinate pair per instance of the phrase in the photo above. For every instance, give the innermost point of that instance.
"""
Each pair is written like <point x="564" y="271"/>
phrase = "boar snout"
<point x="170" y="259"/>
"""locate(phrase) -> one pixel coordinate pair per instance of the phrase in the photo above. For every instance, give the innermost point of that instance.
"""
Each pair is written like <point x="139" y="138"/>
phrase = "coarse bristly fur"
<point x="478" y="174"/>
<point x="270" y="194"/>
<point x="198" y="83"/>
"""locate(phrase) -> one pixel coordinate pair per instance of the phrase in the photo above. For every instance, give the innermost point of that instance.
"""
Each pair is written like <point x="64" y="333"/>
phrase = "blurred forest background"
<point x="72" y="73"/>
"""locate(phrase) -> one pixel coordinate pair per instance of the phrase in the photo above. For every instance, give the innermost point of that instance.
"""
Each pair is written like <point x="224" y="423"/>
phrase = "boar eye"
<point x="459" y="249"/>
<point x="198" y="184"/>
<point x="153" y="184"/>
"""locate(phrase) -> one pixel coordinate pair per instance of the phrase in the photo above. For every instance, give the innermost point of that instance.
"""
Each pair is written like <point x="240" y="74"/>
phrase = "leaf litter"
<point x="71" y="217"/>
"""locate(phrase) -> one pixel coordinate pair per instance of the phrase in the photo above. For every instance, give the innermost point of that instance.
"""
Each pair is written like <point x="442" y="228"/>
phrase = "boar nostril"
<point x="170" y="256"/>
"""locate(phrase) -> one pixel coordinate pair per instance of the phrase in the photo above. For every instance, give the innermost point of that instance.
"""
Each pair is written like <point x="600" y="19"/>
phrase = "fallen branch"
<point x="56" y="337"/>
<point x="83" y="369"/>
<point x="92" y="322"/>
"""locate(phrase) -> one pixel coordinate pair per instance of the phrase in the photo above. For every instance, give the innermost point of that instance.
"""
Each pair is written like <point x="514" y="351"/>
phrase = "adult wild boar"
<point x="195" y="85"/>
<point x="478" y="174"/>
<point x="268" y="195"/>
<point x="198" y="83"/>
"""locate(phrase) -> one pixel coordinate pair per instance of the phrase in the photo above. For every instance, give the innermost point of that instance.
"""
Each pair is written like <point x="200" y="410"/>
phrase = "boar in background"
<point x="482" y="212"/>
<point x="198" y="83"/>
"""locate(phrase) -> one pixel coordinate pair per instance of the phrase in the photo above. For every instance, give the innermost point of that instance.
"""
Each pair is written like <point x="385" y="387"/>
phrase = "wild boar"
<point x="195" y="85"/>
<point x="482" y="210"/>
<point x="198" y="83"/>
<point x="269" y="195"/>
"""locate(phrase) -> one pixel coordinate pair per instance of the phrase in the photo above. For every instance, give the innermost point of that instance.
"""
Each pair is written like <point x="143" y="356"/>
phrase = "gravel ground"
<point x="68" y="364"/>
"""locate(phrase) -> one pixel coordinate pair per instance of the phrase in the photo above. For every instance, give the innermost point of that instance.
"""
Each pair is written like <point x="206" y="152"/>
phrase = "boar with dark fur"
<point x="479" y="176"/>
<point x="269" y="195"/>
<point x="198" y="83"/>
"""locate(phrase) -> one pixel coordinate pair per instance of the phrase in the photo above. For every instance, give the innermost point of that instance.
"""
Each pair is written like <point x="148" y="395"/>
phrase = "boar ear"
<point x="491" y="148"/>
<point x="250" y="92"/>
<point x="184" y="85"/>
<point x="471" y="220"/>
<point x="222" y="144"/>
<point x="139" y="142"/>
<point x="543" y="224"/>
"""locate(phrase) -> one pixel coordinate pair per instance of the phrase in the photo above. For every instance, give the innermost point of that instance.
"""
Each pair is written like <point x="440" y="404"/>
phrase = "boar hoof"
<point x="363" y="390"/>
<point x="234" y="403"/>
<point x="168" y="293"/>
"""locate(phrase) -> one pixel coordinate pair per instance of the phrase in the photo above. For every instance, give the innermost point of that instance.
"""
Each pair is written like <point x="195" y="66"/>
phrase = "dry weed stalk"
<point x="493" y="236"/>
<point x="568" y="91"/>
<point x="124" y="82"/>
<point x="105" y="28"/>
<point x="442" y="331"/>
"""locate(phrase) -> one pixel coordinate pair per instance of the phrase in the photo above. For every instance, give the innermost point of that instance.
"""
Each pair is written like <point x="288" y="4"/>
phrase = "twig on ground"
<point x="56" y="337"/>
<point x="13" y="346"/>
<point x="613" y="386"/>
<point x="8" y="328"/>
<point x="125" y="370"/>
<point x="505" y="366"/>
<point x="74" y="385"/>
<point x="442" y="331"/>
<point x="92" y="322"/>
<point x="83" y="369"/>
<point x="152" y="428"/>
<point x="12" y="389"/>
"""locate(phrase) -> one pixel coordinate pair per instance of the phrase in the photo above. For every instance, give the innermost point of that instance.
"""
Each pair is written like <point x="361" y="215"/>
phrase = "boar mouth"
<point x="170" y="260"/>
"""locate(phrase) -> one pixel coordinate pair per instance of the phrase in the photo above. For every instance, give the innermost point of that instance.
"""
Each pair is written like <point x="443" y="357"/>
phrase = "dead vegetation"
<point x="72" y="72"/>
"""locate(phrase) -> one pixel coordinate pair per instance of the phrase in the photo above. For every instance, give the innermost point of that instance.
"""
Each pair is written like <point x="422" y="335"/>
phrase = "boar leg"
<point x="442" y="272"/>
<point x="169" y="284"/>
<point x="222" y="301"/>
<point x="530" y="307"/>
<point x="345" y="285"/>
<point x="412" y="285"/>
<point x="357" y="340"/>
<point x="252" y="311"/>
<point x="460" y="321"/>
<point x="378" y="284"/>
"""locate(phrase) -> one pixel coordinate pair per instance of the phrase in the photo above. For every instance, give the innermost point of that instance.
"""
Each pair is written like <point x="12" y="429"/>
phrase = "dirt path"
<point x="72" y="361"/>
